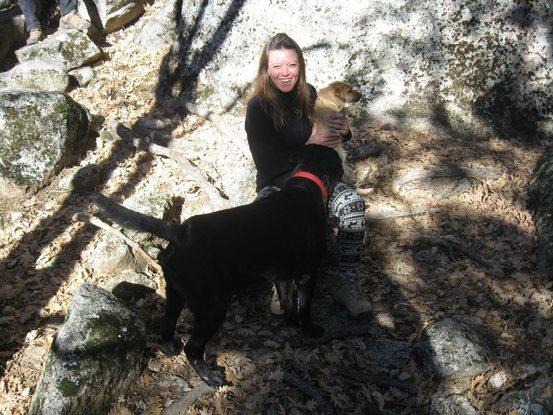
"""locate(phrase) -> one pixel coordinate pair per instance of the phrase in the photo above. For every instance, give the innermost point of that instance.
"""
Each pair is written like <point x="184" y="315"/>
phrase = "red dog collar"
<point x="315" y="179"/>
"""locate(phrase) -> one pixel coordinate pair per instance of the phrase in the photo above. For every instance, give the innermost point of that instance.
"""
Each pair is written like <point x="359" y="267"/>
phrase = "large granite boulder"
<point x="96" y="355"/>
<point x="68" y="48"/>
<point x="37" y="75"/>
<point x="160" y="29"/>
<point x="540" y="201"/>
<point x="453" y="348"/>
<point x="467" y="69"/>
<point x="40" y="132"/>
<point x="110" y="15"/>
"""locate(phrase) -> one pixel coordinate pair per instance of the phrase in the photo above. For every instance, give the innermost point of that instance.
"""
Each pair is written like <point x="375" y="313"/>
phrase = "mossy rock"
<point x="95" y="357"/>
<point x="40" y="132"/>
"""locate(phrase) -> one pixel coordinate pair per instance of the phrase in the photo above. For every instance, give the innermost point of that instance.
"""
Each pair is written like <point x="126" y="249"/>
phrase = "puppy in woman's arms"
<point x="332" y="99"/>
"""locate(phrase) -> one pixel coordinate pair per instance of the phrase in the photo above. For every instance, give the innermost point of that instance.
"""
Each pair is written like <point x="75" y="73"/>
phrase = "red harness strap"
<point x="313" y="178"/>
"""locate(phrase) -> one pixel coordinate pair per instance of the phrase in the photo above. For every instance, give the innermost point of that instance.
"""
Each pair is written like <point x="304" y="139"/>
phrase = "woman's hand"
<point x="329" y="139"/>
<point x="338" y="124"/>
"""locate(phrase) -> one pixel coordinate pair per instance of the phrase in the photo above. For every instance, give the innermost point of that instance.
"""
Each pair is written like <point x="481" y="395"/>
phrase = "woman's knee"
<point x="345" y="201"/>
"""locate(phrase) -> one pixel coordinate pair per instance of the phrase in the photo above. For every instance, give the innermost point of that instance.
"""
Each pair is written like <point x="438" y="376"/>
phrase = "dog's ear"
<point x="341" y="90"/>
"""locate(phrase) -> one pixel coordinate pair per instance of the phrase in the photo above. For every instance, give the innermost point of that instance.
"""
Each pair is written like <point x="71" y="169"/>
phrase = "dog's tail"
<point x="135" y="220"/>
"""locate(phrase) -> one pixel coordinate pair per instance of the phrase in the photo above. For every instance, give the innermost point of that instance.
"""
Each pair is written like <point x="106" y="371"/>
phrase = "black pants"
<point x="29" y="9"/>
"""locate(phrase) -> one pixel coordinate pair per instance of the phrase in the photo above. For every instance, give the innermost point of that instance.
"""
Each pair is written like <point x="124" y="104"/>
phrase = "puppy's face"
<point x="344" y="92"/>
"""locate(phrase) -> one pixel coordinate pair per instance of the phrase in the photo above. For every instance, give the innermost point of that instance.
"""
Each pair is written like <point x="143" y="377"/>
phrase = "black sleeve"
<point x="270" y="155"/>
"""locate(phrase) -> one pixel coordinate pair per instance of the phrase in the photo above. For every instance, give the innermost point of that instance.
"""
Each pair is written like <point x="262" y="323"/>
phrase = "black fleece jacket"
<point x="272" y="148"/>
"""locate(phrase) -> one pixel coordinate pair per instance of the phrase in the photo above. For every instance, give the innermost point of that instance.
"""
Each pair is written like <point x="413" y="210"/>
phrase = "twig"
<point x="457" y="186"/>
<point x="219" y="123"/>
<point x="180" y="407"/>
<point x="449" y="245"/>
<point x="329" y="335"/>
<point x="374" y="378"/>
<point x="133" y="245"/>
<point x="184" y="163"/>
<point x="380" y="215"/>
<point x="152" y="148"/>
<point x="308" y="390"/>
<point x="477" y="173"/>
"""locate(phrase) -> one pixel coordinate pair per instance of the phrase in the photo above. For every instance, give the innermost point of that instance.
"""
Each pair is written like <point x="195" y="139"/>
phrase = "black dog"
<point x="281" y="238"/>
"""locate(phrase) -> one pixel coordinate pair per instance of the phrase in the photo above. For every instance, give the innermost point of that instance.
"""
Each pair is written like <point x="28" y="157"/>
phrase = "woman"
<point x="277" y="125"/>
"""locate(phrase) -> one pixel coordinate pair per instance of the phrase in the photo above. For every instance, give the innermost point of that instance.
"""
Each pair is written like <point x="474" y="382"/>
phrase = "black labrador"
<point x="280" y="237"/>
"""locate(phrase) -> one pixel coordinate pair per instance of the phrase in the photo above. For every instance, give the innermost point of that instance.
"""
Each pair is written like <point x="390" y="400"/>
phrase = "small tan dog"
<point x="333" y="99"/>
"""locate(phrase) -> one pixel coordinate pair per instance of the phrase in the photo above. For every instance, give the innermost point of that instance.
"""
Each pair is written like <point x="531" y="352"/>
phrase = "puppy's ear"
<point x="340" y="91"/>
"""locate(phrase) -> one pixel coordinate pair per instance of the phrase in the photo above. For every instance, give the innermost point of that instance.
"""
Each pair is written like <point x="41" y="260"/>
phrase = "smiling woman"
<point x="284" y="68"/>
<point x="279" y="123"/>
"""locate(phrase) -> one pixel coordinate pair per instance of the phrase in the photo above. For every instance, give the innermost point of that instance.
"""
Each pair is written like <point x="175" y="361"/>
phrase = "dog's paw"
<point x="170" y="347"/>
<point x="312" y="330"/>
<point x="210" y="377"/>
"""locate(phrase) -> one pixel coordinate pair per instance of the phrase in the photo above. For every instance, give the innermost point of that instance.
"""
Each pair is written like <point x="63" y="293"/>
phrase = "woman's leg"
<point x="28" y="7"/>
<point x="349" y="208"/>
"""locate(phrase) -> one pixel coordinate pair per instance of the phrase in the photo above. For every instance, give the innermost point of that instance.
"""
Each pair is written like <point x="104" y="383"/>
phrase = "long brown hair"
<point x="267" y="93"/>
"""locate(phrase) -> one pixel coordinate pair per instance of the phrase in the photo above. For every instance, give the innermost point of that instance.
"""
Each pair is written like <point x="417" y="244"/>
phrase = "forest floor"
<point x="410" y="283"/>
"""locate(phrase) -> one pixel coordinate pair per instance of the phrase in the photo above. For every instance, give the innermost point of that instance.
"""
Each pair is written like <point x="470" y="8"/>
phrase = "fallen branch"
<point x="329" y="335"/>
<point x="373" y="378"/>
<point x="180" y="406"/>
<point x="219" y="123"/>
<point x="118" y="234"/>
<point x="477" y="173"/>
<point x="152" y="148"/>
<point x="380" y="215"/>
<point x="184" y="163"/>
<point x="308" y="390"/>
<point x="450" y="245"/>
<point x="451" y="189"/>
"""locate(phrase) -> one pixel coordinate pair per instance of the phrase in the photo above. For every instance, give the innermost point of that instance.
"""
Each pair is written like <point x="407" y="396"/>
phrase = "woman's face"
<point x="284" y="68"/>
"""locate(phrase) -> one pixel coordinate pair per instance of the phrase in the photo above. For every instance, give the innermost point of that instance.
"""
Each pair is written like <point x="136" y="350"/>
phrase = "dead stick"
<point x="152" y="148"/>
<point x="329" y="335"/>
<point x="180" y="406"/>
<point x="219" y="123"/>
<point x="374" y="378"/>
<point x="133" y="245"/>
<point x="434" y="173"/>
<point x="184" y="163"/>
<point x="380" y="215"/>
<point x="451" y="244"/>
<point x="308" y="390"/>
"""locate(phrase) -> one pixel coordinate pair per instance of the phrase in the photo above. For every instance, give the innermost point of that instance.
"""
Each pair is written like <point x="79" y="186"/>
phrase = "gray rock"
<point x="442" y="404"/>
<point x="450" y="347"/>
<point x="536" y="400"/>
<point x="37" y="75"/>
<point x="6" y="34"/>
<point x="110" y="15"/>
<point x="160" y="29"/>
<point x="40" y="132"/>
<point x="390" y="353"/>
<point x="95" y="357"/>
<point x="83" y="75"/>
<point x="110" y="256"/>
<point x="69" y="48"/>
<point x="6" y="4"/>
